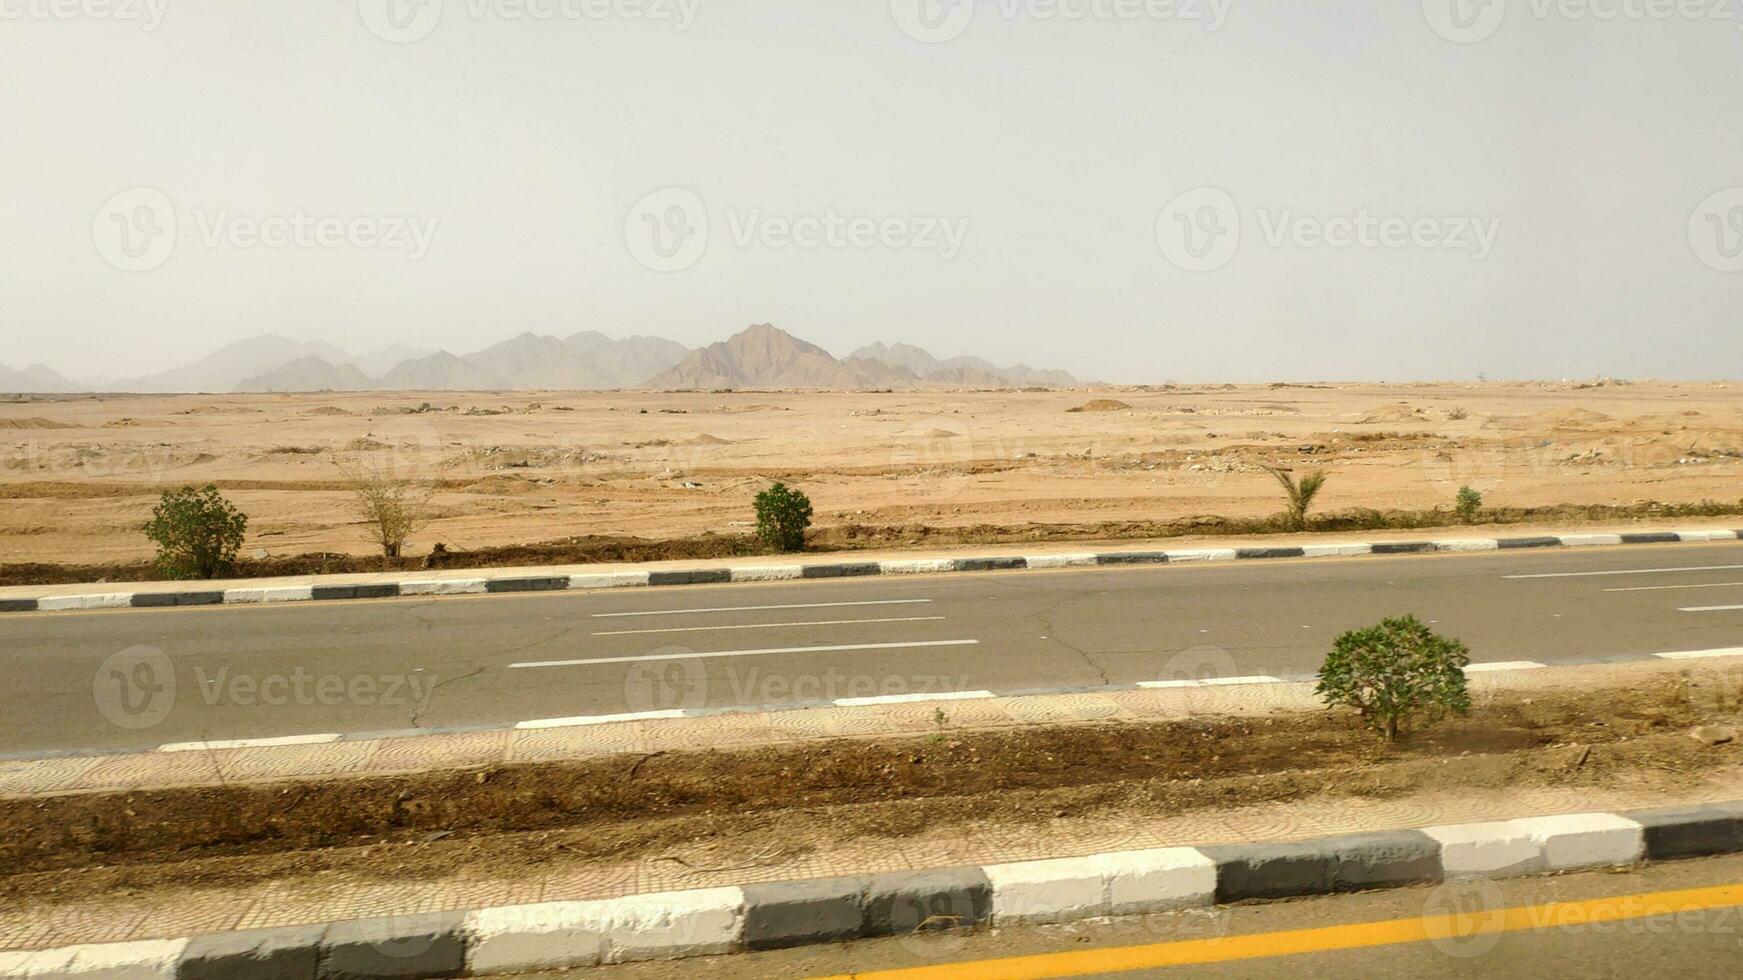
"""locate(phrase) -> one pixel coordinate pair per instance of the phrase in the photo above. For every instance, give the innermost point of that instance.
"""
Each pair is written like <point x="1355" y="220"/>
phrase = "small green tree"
<point x="1394" y="672"/>
<point x="1298" y="494"/>
<point x="1470" y="502"/>
<point x="197" y="533"/>
<point x="783" y="514"/>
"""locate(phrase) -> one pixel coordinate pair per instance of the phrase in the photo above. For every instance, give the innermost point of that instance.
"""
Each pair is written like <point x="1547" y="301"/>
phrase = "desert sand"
<point x="80" y="473"/>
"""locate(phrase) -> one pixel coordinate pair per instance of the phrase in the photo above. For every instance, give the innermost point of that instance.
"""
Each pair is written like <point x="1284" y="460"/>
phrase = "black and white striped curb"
<point x="674" y="925"/>
<point x="520" y="582"/>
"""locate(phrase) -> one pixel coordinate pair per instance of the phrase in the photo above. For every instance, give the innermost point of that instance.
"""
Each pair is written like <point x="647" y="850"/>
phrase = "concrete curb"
<point x="520" y="582"/>
<point x="778" y="915"/>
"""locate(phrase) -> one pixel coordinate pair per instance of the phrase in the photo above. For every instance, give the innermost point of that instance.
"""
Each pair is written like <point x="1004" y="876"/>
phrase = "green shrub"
<point x="783" y="514"/>
<point x="1299" y="494"/>
<point x="197" y="533"/>
<point x="1469" y="503"/>
<point x="1395" y="672"/>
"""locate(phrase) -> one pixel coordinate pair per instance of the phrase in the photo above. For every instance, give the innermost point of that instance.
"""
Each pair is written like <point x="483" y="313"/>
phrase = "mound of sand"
<point x="943" y="433"/>
<point x="707" y="440"/>
<point x="328" y="410"/>
<point x="1570" y="418"/>
<point x="34" y="423"/>
<point x="1389" y="413"/>
<point x="1102" y="405"/>
<point x="500" y="483"/>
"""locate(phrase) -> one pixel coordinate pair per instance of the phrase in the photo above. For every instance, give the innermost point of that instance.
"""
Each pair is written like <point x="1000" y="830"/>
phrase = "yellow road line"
<point x="1453" y="926"/>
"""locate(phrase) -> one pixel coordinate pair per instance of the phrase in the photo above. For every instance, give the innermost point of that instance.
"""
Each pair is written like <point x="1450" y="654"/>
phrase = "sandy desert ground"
<point x="79" y="474"/>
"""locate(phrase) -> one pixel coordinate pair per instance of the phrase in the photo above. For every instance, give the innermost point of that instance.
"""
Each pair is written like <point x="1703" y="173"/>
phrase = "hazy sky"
<point x="1517" y="189"/>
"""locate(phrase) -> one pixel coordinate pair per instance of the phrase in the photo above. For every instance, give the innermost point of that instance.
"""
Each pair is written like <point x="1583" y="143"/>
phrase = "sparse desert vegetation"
<point x="1298" y="494"/>
<point x="1396" y="673"/>
<point x="882" y="469"/>
<point x="197" y="533"/>
<point x="783" y="514"/>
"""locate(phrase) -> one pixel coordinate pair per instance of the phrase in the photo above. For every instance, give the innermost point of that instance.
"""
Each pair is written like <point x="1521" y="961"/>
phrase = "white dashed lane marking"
<point x="913" y="698"/>
<point x="768" y="626"/>
<point x="1626" y="571"/>
<point x="1700" y="654"/>
<point x="747" y="653"/>
<point x="249" y="743"/>
<point x="728" y="609"/>
<point x="597" y="719"/>
<point x="1664" y="588"/>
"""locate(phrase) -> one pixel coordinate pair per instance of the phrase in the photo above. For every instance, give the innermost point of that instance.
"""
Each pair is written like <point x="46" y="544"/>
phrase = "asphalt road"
<point x="137" y="679"/>
<point x="1300" y="939"/>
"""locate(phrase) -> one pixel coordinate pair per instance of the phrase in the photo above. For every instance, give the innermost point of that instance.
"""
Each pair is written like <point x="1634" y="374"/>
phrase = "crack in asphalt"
<point x="1044" y="618"/>
<point x="429" y="698"/>
<point x="559" y="634"/>
<point x="411" y="612"/>
<point x="430" y="695"/>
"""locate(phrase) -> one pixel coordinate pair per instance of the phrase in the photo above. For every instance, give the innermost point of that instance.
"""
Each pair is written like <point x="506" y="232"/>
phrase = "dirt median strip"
<point x="517" y="581"/>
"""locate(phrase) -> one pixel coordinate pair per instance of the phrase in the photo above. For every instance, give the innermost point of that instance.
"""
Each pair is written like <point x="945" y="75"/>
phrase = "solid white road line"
<point x="912" y="698"/>
<point x="249" y="743"/>
<point x="1709" y="608"/>
<point x="1664" y="588"/>
<point x="597" y="719"/>
<point x="748" y="653"/>
<point x="1503" y="665"/>
<point x="1700" y="654"/>
<point x="1627" y="571"/>
<point x="797" y="605"/>
<point x="767" y="626"/>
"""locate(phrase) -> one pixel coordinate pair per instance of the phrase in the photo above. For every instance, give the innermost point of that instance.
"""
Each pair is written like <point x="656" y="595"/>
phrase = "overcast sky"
<point x="1512" y="189"/>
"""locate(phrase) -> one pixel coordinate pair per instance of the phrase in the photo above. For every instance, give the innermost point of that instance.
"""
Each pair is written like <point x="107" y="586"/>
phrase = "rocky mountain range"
<point x="226" y="367"/>
<point x="309" y="373"/>
<point x="761" y="356"/>
<point x="958" y="370"/>
<point x="35" y="378"/>
<point x="586" y="361"/>
<point x="765" y="357"/>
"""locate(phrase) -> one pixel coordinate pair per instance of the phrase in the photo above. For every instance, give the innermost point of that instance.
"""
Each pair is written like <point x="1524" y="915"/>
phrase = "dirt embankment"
<point x="794" y="799"/>
<point x="590" y="549"/>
